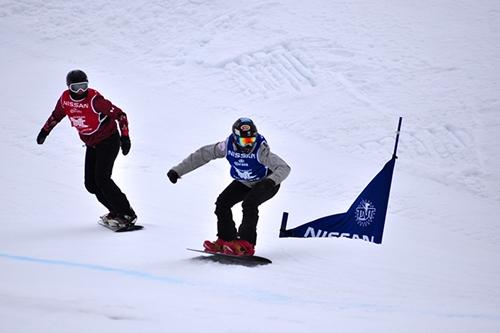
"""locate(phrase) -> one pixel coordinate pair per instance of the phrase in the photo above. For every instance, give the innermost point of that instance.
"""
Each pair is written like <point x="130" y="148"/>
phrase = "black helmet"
<point x="78" y="84"/>
<point x="245" y="133"/>
<point x="76" y="76"/>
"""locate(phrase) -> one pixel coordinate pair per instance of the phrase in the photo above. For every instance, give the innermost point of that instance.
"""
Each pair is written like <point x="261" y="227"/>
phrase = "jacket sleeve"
<point x="276" y="164"/>
<point x="201" y="157"/>
<point x="104" y="106"/>
<point x="55" y="117"/>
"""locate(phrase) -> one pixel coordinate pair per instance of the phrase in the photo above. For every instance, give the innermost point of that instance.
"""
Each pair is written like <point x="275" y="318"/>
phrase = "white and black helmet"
<point x="244" y="127"/>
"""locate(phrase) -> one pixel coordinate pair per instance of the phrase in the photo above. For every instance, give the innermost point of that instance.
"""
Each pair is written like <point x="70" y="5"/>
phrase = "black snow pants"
<point x="251" y="199"/>
<point x="99" y="161"/>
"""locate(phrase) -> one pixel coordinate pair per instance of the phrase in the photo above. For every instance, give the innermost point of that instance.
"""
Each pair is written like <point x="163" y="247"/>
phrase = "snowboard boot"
<point x="214" y="247"/>
<point x="107" y="217"/>
<point x="123" y="220"/>
<point x="239" y="247"/>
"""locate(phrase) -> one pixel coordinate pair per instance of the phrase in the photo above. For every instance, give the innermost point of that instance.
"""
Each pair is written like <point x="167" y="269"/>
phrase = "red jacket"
<point x="94" y="117"/>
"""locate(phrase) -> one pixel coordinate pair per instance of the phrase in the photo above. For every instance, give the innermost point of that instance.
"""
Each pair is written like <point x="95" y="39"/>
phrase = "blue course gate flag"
<point x="365" y="218"/>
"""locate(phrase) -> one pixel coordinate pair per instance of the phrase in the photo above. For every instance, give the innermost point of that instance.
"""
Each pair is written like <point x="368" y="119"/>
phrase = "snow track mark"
<point x="271" y="71"/>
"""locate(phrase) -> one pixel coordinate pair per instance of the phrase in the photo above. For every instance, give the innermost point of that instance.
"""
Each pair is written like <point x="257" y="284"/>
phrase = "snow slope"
<point x="325" y="81"/>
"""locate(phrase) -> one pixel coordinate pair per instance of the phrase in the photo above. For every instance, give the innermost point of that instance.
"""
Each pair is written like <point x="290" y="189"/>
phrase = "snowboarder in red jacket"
<point x="95" y="118"/>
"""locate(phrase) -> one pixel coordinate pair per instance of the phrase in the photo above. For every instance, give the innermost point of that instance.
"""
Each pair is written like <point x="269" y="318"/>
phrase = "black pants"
<point x="99" y="161"/>
<point x="251" y="199"/>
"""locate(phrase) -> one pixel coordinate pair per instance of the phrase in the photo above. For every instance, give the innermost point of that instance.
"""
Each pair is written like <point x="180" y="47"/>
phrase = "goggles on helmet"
<point x="245" y="141"/>
<point x="79" y="87"/>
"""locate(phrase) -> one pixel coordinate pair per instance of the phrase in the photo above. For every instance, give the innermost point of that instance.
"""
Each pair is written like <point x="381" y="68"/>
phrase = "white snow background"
<point x="325" y="82"/>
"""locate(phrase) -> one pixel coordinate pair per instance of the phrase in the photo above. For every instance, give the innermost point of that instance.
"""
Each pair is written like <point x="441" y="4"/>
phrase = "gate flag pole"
<point x="397" y="138"/>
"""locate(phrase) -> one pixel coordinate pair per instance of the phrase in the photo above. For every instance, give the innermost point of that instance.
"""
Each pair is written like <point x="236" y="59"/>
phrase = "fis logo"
<point x="244" y="174"/>
<point x="78" y="122"/>
<point x="365" y="213"/>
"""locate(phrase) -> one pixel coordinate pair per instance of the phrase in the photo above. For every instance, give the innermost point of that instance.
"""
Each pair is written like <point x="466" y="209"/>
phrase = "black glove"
<point x="265" y="185"/>
<point x="125" y="144"/>
<point x="173" y="176"/>
<point x="40" y="139"/>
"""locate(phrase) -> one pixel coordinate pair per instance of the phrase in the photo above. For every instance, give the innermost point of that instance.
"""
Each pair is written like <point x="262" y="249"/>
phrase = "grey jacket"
<point x="205" y="154"/>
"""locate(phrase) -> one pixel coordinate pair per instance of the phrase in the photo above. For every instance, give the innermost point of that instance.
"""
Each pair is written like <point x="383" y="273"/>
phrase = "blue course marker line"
<point x="261" y="295"/>
<point x="93" y="267"/>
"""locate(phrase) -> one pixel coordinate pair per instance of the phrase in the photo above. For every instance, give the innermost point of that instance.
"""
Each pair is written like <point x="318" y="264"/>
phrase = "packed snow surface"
<point x="325" y="82"/>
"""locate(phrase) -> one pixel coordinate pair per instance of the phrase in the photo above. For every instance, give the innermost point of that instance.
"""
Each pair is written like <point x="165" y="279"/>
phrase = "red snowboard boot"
<point x="214" y="247"/>
<point x="239" y="247"/>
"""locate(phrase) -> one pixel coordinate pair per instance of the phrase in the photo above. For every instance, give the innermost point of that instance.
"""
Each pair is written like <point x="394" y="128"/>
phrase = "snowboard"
<point x="120" y="229"/>
<point x="230" y="259"/>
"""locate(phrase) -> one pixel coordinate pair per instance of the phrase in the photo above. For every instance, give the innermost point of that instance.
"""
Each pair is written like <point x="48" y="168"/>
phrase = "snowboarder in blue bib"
<point x="257" y="174"/>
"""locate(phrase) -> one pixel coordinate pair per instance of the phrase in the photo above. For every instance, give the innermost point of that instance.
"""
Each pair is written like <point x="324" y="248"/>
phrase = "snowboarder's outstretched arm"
<point x="195" y="160"/>
<point x="280" y="169"/>
<point x="56" y="116"/>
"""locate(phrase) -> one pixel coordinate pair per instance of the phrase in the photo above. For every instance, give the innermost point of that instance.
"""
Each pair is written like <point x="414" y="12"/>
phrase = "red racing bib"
<point x="81" y="113"/>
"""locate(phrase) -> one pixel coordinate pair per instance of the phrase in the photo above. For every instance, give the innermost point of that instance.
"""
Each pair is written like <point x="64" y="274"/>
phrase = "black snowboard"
<point x="133" y="227"/>
<point x="230" y="259"/>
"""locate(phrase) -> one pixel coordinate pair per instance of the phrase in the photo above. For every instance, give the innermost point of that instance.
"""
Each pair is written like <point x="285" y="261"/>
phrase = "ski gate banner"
<point x="365" y="218"/>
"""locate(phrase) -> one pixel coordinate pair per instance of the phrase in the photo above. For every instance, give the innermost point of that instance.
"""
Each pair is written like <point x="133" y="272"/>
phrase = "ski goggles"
<point x="79" y="87"/>
<point x="243" y="141"/>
